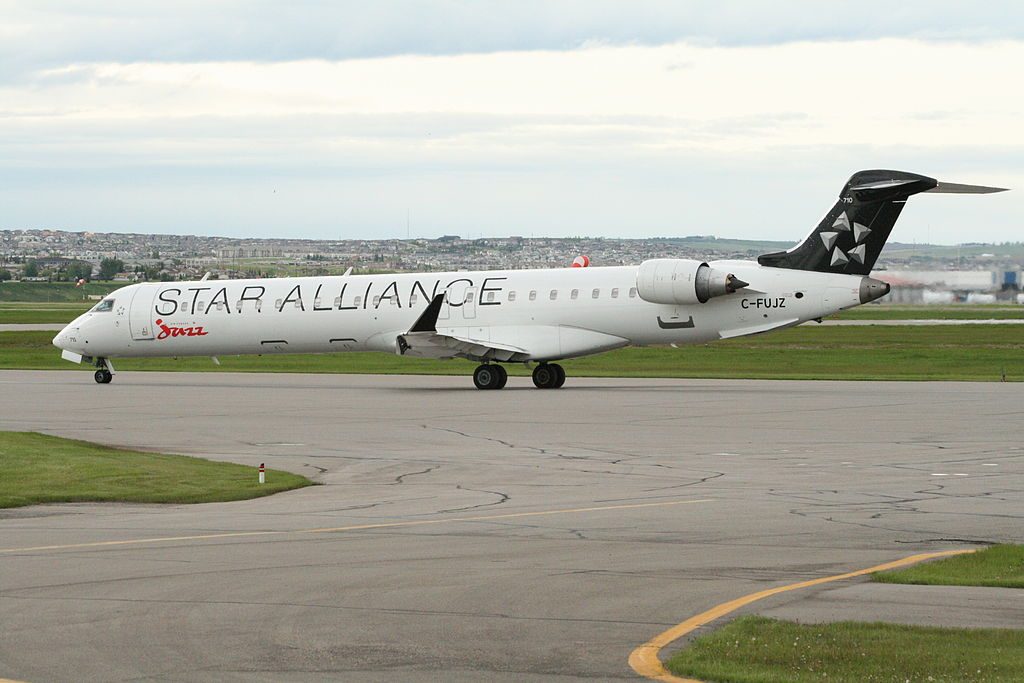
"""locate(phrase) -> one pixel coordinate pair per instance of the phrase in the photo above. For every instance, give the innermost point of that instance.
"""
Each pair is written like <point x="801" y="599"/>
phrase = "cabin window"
<point x="220" y="305"/>
<point x="297" y="303"/>
<point x="574" y="294"/>
<point x="511" y="296"/>
<point x="184" y="306"/>
<point x="316" y="302"/>
<point x="490" y="296"/>
<point x="103" y="306"/>
<point x="357" y="301"/>
<point x="376" y="301"/>
<point x="596" y="293"/>
<point x="337" y="302"/>
<point x="632" y="292"/>
<point x="200" y="306"/>
<point x="533" y="295"/>
<point x="412" y="300"/>
<point x="394" y="299"/>
<point x="554" y="294"/>
<point x="615" y="292"/>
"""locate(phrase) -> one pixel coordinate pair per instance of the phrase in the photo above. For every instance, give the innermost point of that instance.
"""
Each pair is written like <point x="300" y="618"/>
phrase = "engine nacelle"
<point x="683" y="281"/>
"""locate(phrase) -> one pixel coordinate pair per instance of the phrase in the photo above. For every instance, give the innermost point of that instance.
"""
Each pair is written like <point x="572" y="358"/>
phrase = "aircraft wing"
<point x="506" y="343"/>
<point x="425" y="340"/>
<point x="449" y="344"/>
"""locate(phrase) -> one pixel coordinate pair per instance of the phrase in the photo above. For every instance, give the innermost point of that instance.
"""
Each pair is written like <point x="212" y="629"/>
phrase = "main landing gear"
<point x="493" y="376"/>
<point x="103" y="375"/>
<point x="548" y="376"/>
<point x="490" y="376"/>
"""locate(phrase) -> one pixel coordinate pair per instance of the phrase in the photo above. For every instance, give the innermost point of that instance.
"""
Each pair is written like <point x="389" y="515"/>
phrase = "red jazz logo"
<point x="166" y="331"/>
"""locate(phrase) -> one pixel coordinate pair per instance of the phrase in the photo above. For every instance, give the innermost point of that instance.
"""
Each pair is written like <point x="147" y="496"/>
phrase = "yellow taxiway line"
<point x="644" y="659"/>
<point x="354" y="527"/>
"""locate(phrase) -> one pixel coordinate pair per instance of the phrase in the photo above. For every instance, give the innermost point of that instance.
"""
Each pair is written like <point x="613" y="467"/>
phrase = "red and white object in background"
<point x="581" y="261"/>
<point x="263" y="474"/>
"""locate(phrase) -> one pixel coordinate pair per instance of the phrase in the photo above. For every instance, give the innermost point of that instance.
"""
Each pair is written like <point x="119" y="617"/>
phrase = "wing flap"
<point x="512" y="343"/>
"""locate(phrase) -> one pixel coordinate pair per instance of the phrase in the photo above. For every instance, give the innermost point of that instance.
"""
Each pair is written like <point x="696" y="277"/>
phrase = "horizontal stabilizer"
<point x="958" y="188"/>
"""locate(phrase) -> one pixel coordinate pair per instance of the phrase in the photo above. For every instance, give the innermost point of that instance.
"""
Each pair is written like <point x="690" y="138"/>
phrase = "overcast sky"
<point x="545" y="118"/>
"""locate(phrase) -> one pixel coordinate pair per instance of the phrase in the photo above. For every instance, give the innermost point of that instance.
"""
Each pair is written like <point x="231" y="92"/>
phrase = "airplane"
<point x="498" y="317"/>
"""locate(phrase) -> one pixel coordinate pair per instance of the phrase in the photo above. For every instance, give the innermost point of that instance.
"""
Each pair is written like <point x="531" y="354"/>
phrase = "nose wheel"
<point x="548" y="376"/>
<point x="103" y="375"/>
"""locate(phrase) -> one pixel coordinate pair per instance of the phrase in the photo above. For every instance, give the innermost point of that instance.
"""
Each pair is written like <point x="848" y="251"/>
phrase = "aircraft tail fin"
<point x="851" y="236"/>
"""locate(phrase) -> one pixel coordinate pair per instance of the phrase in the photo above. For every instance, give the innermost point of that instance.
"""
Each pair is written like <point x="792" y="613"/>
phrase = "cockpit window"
<point x="103" y="306"/>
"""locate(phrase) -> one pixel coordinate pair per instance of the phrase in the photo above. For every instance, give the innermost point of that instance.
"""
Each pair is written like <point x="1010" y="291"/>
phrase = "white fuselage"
<point x="546" y="314"/>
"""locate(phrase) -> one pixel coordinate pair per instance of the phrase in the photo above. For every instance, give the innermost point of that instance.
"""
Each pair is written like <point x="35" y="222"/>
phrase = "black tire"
<point x="485" y="377"/>
<point x="544" y="376"/>
<point x="103" y="376"/>
<point x="561" y="375"/>
<point x="502" y="377"/>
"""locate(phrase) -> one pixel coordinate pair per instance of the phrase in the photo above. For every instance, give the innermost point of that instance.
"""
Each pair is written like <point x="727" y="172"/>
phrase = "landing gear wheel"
<point x="103" y="376"/>
<point x="561" y="375"/>
<point x="489" y="377"/>
<point x="502" y="377"/>
<point x="545" y="376"/>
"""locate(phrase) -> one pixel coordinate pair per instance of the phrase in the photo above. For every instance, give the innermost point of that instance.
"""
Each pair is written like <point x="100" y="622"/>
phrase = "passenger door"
<point x="140" y="312"/>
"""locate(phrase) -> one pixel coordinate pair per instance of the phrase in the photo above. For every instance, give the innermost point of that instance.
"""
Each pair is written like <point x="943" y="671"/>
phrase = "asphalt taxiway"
<point x="468" y="535"/>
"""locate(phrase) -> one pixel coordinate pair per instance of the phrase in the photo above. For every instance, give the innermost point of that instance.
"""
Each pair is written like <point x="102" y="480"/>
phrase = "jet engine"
<point x="683" y="281"/>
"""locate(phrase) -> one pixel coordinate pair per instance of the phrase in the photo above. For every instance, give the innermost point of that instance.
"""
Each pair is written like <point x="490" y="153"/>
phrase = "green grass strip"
<point x="28" y="316"/>
<point x="55" y="291"/>
<point x="1000" y="566"/>
<point x="977" y="353"/>
<point x="882" y="312"/>
<point x="36" y="468"/>
<point x="754" y="649"/>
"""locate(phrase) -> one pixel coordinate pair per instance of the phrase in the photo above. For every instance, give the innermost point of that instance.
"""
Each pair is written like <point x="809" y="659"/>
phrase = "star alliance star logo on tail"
<point x="842" y="226"/>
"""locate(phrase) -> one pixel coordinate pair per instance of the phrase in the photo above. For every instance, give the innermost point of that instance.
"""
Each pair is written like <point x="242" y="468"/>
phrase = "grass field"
<point x="754" y="649"/>
<point x="883" y="312"/>
<point x="46" y="469"/>
<point x="981" y="353"/>
<point x="55" y="292"/>
<point x="41" y="313"/>
<point x="997" y="566"/>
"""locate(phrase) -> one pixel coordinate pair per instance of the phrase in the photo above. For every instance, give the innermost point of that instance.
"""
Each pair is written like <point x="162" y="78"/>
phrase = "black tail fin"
<point x="852" y="235"/>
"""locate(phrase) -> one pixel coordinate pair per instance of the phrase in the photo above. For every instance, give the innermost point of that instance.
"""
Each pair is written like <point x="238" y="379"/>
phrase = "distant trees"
<point x="4" y="274"/>
<point x="109" y="267"/>
<point x="31" y="268"/>
<point x="77" y="271"/>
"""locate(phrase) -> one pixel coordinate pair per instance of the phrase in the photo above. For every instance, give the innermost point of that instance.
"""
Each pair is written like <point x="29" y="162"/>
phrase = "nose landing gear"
<point x="103" y="375"/>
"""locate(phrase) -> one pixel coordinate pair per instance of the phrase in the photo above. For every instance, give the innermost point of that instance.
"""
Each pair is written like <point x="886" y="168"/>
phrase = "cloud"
<point x="643" y="138"/>
<point x="42" y="35"/>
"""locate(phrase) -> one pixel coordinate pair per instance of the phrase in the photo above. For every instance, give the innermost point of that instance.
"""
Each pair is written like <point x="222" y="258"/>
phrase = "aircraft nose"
<point x="61" y="339"/>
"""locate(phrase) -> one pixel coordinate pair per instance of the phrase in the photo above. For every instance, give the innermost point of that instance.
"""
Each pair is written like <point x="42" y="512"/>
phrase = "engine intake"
<point x="683" y="281"/>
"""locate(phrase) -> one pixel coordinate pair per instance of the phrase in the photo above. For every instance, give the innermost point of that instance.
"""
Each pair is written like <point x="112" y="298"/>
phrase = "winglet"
<point x="427" y="322"/>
